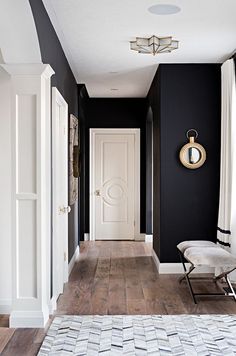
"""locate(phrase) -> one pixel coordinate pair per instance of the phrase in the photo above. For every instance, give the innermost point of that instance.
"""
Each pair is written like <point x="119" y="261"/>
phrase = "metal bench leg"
<point x="186" y="276"/>
<point x="229" y="292"/>
<point x="189" y="283"/>
<point x="185" y="269"/>
<point x="230" y="287"/>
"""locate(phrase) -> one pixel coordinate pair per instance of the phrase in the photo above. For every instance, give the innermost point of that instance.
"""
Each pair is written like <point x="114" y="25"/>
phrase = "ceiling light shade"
<point x="154" y="45"/>
<point x="164" y="9"/>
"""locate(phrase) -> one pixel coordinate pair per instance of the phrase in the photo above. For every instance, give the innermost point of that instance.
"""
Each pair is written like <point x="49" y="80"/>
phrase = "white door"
<point x="113" y="184"/>
<point x="60" y="192"/>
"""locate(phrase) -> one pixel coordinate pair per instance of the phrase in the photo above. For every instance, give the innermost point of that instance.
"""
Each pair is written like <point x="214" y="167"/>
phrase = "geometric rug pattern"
<point x="201" y="335"/>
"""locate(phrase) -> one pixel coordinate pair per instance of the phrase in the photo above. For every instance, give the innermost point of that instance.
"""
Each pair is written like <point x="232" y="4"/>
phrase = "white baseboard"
<point x="148" y="238"/>
<point x="139" y="237"/>
<point x="28" y="319"/>
<point x="86" y="237"/>
<point x="156" y="260"/>
<point x="5" y="306"/>
<point x="73" y="260"/>
<point x="53" y="301"/>
<point x="177" y="268"/>
<point x="53" y="305"/>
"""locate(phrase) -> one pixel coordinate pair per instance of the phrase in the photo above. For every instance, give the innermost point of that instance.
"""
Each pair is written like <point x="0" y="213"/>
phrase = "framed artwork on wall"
<point x="74" y="152"/>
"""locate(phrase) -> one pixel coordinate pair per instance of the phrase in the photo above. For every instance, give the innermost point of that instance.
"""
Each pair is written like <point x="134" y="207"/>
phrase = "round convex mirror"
<point x="192" y="155"/>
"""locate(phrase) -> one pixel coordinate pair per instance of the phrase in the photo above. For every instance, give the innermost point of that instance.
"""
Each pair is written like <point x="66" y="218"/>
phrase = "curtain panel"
<point x="227" y="204"/>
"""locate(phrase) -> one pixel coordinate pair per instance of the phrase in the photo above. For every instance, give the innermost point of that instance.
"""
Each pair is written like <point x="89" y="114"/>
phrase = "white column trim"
<point x="30" y="100"/>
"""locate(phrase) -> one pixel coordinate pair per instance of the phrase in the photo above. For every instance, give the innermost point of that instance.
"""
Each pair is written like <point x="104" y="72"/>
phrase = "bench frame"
<point x="228" y="292"/>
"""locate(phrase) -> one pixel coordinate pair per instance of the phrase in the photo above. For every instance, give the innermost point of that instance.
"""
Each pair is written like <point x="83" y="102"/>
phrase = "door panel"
<point x="114" y="186"/>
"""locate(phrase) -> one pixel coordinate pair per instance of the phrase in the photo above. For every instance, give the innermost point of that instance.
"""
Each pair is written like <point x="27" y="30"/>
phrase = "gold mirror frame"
<point x="200" y="148"/>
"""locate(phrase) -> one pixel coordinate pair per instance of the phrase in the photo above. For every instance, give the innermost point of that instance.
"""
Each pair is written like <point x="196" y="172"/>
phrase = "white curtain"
<point x="226" y="232"/>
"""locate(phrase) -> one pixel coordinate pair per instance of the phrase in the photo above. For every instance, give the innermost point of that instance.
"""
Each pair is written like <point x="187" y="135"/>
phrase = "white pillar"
<point x="5" y="194"/>
<point x="31" y="194"/>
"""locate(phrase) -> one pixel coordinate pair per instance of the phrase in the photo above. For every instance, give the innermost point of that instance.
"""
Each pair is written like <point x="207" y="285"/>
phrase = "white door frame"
<point x="57" y="99"/>
<point x="136" y="133"/>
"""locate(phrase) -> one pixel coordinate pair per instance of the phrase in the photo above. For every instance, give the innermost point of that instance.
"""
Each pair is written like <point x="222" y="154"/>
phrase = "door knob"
<point x="64" y="209"/>
<point x="97" y="193"/>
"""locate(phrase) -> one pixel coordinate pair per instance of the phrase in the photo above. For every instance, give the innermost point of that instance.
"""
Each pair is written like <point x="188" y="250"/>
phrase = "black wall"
<point x="52" y="53"/>
<point x="185" y="96"/>
<point x="111" y="113"/>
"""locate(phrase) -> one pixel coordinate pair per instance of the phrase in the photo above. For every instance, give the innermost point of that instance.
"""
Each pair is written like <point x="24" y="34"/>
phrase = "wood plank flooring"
<point x="116" y="277"/>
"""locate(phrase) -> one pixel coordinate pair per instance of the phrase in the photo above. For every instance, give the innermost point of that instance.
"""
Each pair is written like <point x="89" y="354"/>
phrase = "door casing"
<point x="136" y="133"/>
<point x="59" y="242"/>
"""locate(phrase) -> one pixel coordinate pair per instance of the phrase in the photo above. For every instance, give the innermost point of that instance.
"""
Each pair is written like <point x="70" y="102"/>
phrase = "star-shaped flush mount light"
<point x="154" y="45"/>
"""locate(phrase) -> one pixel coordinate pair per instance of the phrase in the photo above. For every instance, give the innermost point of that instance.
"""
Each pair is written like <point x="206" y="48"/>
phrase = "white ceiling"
<point x="95" y="36"/>
<point x="18" y="37"/>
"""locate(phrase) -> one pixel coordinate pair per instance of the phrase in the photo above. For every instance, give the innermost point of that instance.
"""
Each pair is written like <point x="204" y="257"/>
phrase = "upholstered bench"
<point x="206" y="253"/>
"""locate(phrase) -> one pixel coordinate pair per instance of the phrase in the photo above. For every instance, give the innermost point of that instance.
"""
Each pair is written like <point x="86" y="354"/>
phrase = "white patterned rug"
<point x="142" y="335"/>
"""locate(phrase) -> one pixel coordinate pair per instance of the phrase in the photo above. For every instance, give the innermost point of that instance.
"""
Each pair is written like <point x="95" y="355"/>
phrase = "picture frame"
<point x="74" y="153"/>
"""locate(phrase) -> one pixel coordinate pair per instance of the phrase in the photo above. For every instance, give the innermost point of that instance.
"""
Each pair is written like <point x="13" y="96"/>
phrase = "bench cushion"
<point x="182" y="246"/>
<point x="206" y="253"/>
<point x="210" y="256"/>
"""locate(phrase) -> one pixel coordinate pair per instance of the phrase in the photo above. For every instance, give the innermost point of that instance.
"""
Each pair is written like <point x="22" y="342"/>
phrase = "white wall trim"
<point x="177" y="268"/>
<point x="140" y="237"/>
<point x="91" y="184"/>
<point x="73" y="260"/>
<point x="148" y="238"/>
<point x="137" y="159"/>
<point x="53" y="304"/>
<point x="5" y="306"/>
<point x="136" y="132"/>
<point x="58" y="246"/>
<point x="28" y="319"/>
<point x="53" y="301"/>
<point x="155" y="260"/>
<point x="86" y="237"/>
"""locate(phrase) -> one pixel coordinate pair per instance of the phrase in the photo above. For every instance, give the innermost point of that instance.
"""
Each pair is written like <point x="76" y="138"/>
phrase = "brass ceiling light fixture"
<point x="154" y="45"/>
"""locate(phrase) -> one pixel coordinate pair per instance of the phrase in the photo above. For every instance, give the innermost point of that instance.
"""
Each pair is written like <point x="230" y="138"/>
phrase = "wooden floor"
<point x="116" y="277"/>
